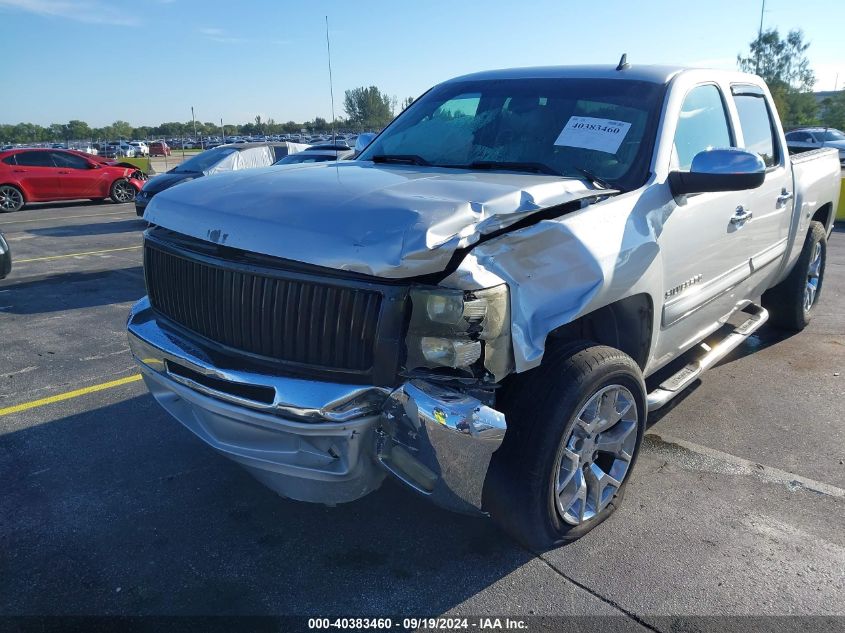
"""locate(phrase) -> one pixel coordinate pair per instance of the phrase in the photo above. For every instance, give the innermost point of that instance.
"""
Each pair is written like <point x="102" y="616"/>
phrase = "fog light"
<point x="450" y="352"/>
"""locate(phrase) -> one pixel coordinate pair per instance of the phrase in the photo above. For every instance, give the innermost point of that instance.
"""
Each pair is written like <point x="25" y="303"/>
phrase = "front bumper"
<point x="318" y="441"/>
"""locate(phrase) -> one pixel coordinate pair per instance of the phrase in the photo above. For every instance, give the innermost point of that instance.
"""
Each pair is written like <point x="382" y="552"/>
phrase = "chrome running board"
<point x="676" y="383"/>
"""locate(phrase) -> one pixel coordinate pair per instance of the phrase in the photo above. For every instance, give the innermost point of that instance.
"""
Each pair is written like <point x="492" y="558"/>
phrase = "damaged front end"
<point x="330" y="442"/>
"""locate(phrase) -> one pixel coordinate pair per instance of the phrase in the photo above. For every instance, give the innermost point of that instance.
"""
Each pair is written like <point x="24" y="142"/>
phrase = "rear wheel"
<point x="122" y="191"/>
<point x="574" y="430"/>
<point x="792" y="302"/>
<point x="11" y="198"/>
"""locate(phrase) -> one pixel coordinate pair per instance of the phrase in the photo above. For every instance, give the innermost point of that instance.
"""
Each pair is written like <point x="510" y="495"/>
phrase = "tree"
<point x="367" y="107"/>
<point x="833" y="111"/>
<point x="785" y="67"/>
<point x="121" y="129"/>
<point x="406" y="102"/>
<point x="58" y="132"/>
<point x="78" y="130"/>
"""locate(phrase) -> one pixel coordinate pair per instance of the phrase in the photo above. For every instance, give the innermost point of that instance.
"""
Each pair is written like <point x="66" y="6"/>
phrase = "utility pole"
<point x="331" y="84"/>
<point x="223" y="130"/>
<point x="759" y="38"/>
<point x="195" y="126"/>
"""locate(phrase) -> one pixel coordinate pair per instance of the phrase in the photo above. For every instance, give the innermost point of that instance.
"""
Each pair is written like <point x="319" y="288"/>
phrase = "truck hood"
<point x="389" y="221"/>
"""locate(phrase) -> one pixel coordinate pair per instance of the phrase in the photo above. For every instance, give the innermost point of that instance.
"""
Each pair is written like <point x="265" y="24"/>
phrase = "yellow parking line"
<point x="66" y="217"/>
<point x="69" y="394"/>
<point x="108" y="250"/>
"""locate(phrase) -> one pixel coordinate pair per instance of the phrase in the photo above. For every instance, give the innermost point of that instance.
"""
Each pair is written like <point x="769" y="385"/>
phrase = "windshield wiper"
<point x="534" y="168"/>
<point x="597" y="180"/>
<point x="406" y="159"/>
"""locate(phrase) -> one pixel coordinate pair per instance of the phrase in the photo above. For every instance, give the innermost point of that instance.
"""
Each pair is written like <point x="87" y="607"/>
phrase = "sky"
<point x="149" y="61"/>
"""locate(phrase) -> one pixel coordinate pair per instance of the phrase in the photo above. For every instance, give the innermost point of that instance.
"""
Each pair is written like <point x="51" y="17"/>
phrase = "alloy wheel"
<point x="594" y="459"/>
<point x="123" y="192"/>
<point x="813" y="274"/>
<point x="10" y="199"/>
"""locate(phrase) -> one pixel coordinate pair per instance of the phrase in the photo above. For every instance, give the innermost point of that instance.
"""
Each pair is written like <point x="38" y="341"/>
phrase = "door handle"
<point x="741" y="216"/>
<point x="784" y="197"/>
<point x="19" y="171"/>
<point x="64" y="172"/>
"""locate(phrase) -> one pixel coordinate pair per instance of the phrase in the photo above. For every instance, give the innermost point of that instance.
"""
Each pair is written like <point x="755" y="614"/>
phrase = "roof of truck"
<point x="636" y="72"/>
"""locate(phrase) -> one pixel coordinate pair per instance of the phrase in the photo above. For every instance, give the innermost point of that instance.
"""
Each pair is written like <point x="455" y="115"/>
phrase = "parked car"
<point x="159" y="148"/>
<point x="117" y="149"/>
<point x="318" y="154"/>
<point x="140" y="147"/>
<point x="807" y="138"/>
<point x="45" y="175"/>
<point x="213" y="161"/>
<point x="472" y="306"/>
<point x="5" y="256"/>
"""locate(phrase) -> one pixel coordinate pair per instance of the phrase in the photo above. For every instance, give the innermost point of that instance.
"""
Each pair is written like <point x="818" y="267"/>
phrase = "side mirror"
<point x="720" y="170"/>
<point x="362" y="141"/>
<point x="93" y="165"/>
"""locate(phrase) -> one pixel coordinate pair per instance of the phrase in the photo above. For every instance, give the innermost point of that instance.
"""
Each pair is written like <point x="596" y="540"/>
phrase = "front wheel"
<point x="11" y="199"/>
<point x="122" y="191"/>
<point x="575" y="426"/>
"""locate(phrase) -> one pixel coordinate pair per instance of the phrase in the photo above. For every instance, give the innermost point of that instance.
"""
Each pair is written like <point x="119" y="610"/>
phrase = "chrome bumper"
<point x="318" y="441"/>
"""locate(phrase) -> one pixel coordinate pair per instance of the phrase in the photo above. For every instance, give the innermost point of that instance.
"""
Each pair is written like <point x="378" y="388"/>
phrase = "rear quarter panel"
<point x="816" y="181"/>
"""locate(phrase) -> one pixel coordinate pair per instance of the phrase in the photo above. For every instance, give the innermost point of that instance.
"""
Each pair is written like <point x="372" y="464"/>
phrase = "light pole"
<point x="759" y="40"/>
<point x="195" y="126"/>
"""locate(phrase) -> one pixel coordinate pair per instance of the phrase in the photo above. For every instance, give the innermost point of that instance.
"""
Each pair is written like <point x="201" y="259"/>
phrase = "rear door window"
<point x="35" y="159"/>
<point x="755" y="120"/>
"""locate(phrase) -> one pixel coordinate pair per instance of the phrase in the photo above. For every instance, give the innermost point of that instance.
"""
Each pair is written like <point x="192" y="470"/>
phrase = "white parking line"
<point x="705" y="458"/>
<point x="108" y="250"/>
<point x="67" y="217"/>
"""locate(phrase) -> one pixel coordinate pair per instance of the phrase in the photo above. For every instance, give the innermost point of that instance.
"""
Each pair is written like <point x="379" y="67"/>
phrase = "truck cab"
<point x="474" y="304"/>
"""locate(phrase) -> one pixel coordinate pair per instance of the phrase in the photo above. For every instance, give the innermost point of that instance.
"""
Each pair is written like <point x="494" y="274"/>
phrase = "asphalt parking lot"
<point x="109" y="507"/>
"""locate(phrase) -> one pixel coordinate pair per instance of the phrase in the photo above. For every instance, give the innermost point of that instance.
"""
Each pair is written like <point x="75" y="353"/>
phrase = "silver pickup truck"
<point x="475" y="304"/>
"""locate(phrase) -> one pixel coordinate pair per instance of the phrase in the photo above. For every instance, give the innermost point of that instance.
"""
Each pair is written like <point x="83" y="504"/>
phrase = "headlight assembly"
<point x="467" y="331"/>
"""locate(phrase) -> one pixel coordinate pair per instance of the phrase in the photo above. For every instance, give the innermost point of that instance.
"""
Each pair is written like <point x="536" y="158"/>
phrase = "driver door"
<point x="706" y="247"/>
<point x="77" y="178"/>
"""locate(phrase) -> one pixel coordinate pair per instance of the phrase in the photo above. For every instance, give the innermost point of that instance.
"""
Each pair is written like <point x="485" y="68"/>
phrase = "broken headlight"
<point x="463" y="330"/>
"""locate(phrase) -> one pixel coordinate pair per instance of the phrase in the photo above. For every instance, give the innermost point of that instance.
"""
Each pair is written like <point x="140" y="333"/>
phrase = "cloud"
<point x="90" y="11"/>
<point x="214" y="34"/>
<point x="219" y="35"/>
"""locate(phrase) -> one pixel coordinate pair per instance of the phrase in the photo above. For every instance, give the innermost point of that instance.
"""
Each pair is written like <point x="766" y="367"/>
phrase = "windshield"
<point x="605" y="127"/>
<point x="832" y="135"/>
<point x="204" y="160"/>
<point x="306" y="158"/>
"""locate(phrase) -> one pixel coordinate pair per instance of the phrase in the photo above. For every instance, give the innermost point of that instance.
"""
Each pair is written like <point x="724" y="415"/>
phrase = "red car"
<point x="44" y="175"/>
<point x="159" y="148"/>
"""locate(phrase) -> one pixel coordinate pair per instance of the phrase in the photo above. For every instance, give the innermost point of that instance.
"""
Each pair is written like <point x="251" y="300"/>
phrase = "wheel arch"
<point x="19" y="187"/>
<point x="626" y="325"/>
<point x="824" y="214"/>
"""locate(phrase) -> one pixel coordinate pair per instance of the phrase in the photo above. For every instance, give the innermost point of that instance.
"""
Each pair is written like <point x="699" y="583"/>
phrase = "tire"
<point x="792" y="302"/>
<point x="122" y="191"/>
<point x="11" y="199"/>
<point x="543" y="408"/>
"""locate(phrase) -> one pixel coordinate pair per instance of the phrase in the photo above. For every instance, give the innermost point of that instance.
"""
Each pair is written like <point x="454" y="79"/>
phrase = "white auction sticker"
<point x="603" y="135"/>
